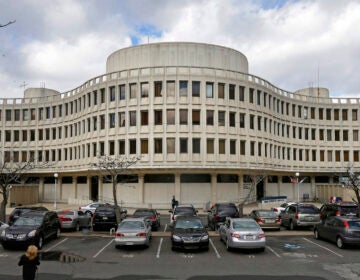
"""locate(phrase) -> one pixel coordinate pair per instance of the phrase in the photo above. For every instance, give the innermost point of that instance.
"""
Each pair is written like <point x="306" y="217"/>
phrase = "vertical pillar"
<point x="141" y="189"/>
<point x="241" y="188"/>
<point x="41" y="189"/>
<point x="101" y="188"/>
<point x="177" y="190"/>
<point x="213" y="188"/>
<point x="59" y="188"/>
<point x="75" y="185"/>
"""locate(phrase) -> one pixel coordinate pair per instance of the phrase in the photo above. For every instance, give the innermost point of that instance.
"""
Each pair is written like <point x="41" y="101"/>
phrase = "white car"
<point x="91" y="207"/>
<point x="282" y="207"/>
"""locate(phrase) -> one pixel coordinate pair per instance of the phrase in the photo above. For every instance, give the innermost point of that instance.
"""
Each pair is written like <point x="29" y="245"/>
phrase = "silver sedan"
<point x="242" y="233"/>
<point x="74" y="219"/>
<point x="133" y="231"/>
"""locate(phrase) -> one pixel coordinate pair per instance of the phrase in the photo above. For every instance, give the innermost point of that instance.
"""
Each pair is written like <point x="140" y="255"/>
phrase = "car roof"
<point x="184" y="205"/>
<point x="239" y="219"/>
<point x="188" y="218"/>
<point x="35" y="213"/>
<point x="133" y="219"/>
<point x="145" y="209"/>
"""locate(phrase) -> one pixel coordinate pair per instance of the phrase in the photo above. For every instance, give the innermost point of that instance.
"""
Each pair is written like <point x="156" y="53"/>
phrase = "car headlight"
<point x="32" y="233"/>
<point x="176" y="238"/>
<point x="3" y="233"/>
<point x="205" y="237"/>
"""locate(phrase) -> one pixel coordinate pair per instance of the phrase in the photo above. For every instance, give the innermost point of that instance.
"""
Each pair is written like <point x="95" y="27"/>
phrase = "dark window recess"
<point x="67" y="180"/>
<point x="286" y="179"/>
<point x="195" y="178"/>
<point x="322" y="179"/>
<point x="32" y="180"/>
<point x="227" y="178"/>
<point x="128" y="179"/>
<point x="82" y="180"/>
<point x="273" y="179"/>
<point x="49" y="180"/>
<point x="159" y="178"/>
<point x="247" y="179"/>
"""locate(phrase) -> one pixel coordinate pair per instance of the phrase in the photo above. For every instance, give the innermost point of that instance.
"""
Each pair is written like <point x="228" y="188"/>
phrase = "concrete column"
<point x="101" y="187"/>
<point x="141" y="188"/>
<point x="177" y="190"/>
<point x="59" y="188"/>
<point x="213" y="188"/>
<point x="75" y="185"/>
<point x="41" y="189"/>
<point x="241" y="187"/>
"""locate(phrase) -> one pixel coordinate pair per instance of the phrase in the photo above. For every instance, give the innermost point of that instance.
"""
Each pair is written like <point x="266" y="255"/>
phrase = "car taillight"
<point x="216" y="217"/>
<point x="259" y="220"/>
<point x="118" y="234"/>
<point x="236" y="235"/>
<point x="321" y="216"/>
<point x="338" y="213"/>
<point x="261" y="235"/>
<point x="153" y="218"/>
<point x="346" y="224"/>
<point x="297" y="216"/>
<point x="67" y="219"/>
<point x="141" y="234"/>
<point x="94" y="216"/>
<point x="278" y="220"/>
<point x="276" y="210"/>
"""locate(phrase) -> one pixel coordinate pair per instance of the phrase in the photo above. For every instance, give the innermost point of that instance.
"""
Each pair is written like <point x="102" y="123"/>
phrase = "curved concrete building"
<point x="199" y="122"/>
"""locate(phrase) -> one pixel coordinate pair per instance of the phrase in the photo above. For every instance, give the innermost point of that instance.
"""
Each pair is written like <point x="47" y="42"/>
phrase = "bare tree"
<point x="353" y="183"/>
<point x="113" y="166"/>
<point x="12" y="173"/>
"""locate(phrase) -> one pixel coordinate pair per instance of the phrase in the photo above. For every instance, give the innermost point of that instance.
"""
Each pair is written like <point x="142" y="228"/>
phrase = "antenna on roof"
<point x="23" y="85"/>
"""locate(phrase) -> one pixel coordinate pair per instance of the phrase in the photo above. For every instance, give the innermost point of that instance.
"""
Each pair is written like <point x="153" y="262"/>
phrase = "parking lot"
<point x="92" y="255"/>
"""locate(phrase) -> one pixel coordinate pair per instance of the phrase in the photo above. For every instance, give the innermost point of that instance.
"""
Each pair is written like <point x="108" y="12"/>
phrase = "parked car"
<point x="133" y="231"/>
<point x="91" y="207"/>
<point x="74" y="219"/>
<point x="242" y="233"/>
<point x="3" y="226"/>
<point x="33" y="227"/>
<point x="219" y="212"/>
<point x="300" y="215"/>
<point x="19" y="210"/>
<point x="282" y="207"/>
<point x="188" y="232"/>
<point x="151" y="216"/>
<point x="344" y="208"/>
<point x="107" y="217"/>
<point x="339" y="229"/>
<point x="182" y="210"/>
<point x="267" y="219"/>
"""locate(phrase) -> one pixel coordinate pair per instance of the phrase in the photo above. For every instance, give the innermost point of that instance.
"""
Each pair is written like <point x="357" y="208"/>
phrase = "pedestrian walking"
<point x="29" y="261"/>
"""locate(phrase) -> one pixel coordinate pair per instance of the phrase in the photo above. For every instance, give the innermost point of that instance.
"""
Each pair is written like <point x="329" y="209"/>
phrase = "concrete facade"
<point x="198" y="121"/>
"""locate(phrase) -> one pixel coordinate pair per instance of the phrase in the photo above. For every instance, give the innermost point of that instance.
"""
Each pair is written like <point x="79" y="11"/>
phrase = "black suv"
<point x="18" y="211"/>
<point x="338" y="209"/>
<point x="218" y="213"/>
<point x="107" y="217"/>
<point x="32" y="227"/>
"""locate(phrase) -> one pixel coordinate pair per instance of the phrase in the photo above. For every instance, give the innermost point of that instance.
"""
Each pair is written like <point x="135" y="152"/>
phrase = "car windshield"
<point x="227" y="208"/>
<point x="309" y="209"/>
<point x="69" y="213"/>
<point x="269" y="214"/>
<point x="184" y="210"/>
<point x="142" y="213"/>
<point x="131" y="225"/>
<point x="189" y="224"/>
<point x="245" y="225"/>
<point x="354" y="224"/>
<point x="349" y="210"/>
<point x="104" y="210"/>
<point x="29" y="221"/>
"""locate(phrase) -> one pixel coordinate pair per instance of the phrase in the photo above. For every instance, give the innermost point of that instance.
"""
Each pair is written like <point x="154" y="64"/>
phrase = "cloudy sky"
<point x="293" y="44"/>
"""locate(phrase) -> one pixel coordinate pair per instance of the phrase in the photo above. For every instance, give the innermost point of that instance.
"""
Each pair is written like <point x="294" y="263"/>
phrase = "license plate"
<point x="105" y="218"/>
<point x="129" y="243"/>
<point x="249" y="237"/>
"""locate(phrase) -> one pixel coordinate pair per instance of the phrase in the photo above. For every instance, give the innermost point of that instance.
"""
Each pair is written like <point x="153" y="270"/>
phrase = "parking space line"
<point x="216" y="251"/>
<point x="165" y="227"/>
<point x="325" y="248"/>
<point x="98" y="253"/>
<point x="159" y="248"/>
<point x="57" y="244"/>
<point x="273" y="251"/>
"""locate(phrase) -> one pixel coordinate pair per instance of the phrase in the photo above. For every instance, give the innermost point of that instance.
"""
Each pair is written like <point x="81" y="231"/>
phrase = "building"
<point x="200" y="123"/>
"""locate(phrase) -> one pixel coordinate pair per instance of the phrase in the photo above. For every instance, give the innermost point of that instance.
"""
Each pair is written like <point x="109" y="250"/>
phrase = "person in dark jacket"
<point x="29" y="261"/>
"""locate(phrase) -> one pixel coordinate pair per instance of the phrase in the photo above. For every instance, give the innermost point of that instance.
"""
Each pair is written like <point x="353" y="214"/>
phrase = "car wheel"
<point x="291" y="225"/>
<point x="316" y="234"/>
<point x="40" y="242"/>
<point x="340" y="243"/>
<point x="77" y="227"/>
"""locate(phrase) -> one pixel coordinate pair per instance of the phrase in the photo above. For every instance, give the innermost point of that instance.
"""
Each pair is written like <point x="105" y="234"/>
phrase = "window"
<point x="158" y="146"/>
<point x="102" y="122"/>
<point x="354" y="115"/>
<point x="33" y="113"/>
<point x="321" y="134"/>
<point x="329" y="155"/>
<point x="102" y="95"/>
<point x="112" y="94"/>
<point x="251" y="95"/>
<point x="195" y="89"/>
<point x="337" y="155"/>
<point x="259" y="123"/>
<point x="158" y="88"/>
<point x="209" y="117"/>
<point x="210" y="146"/>
<point x="232" y="92"/>
<point x="221" y="118"/>
<point x="355" y="135"/>
<point x="132" y="116"/>
<point x="336" y="114"/>
<point x="122" y="92"/>
<point x="221" y="91"/>
<point x="111" y="148"/>
<point x="122" y="147"/>
<point x="232" y="119"/>
<point x="132" y="91"/>
<point x="95" y="97"/>
<point x="17" y="114"/>
<point x="132" y="145"/>
<point x="242" y="120"/>
<point x="158" y="117"/>
<point x="346" y="155"/>
<point x="221" y="146"/>
<point x="112" y="120"/>
<point x="183" y="145"/>
<point x="209" y="90"/>
<point x="170" y="116"/>
<point x="328" y="114"/>
<point x="24" y="135"/>
<point x="344" y="114"/>
<point x="122" y="119"/>
<point x="144" y="118"/>
<point x="321" y="114"/>
<point x="170" y="89"/>
<point x="170" y="145"/>
<point x="196" y="117"/>
<point x="252" y="148"/>
<point x="183" y="116"/>
<point x="345" y="135"/>
<point x="25" y="115"/>
<point x="337" y="135"/>
<point x="232" y="147"/>
<point x="144" y="90"/>
<point x="356" y="156"/>
<point x="196" y="145"/>
<point x="258" y="97"/>
<point x="183" y="88"/>
<point x="8" y="115"/>
<point x="252" y="117"/>
<point x="242" y="93"/>
<point x="328" y="135"/>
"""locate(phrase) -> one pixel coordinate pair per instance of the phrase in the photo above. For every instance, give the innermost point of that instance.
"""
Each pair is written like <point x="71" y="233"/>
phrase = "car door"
<point x="47" y="228"/>
<point x="285" y="215"/>
<point x="327" y="228"/>
<point x="84" y="220"/>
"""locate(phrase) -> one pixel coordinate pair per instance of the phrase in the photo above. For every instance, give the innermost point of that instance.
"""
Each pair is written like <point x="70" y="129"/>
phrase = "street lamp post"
<point x="55" y="176"/>
<point x="297" y="174"/>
